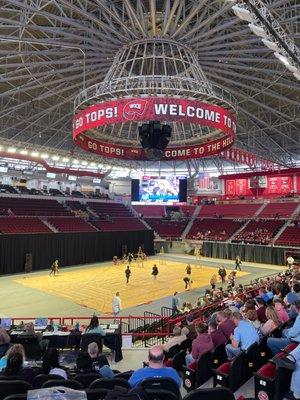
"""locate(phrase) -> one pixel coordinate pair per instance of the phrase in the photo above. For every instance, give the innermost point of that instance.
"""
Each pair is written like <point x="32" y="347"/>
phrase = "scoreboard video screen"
<point x="159" y="188"/>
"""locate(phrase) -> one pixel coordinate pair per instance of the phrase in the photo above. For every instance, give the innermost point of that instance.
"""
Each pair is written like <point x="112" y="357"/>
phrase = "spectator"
<point x="288" y="335"/>
<point x="243" y="337"/>
<point x="178" y="338"/>
<point x="175" y="303"/>
<point x="217" y="336"/>
<point x="84" y="363"/>
<point x="156" y="369"/>
<point x="16" y="348"/>
<point x="94" y="326"/>
<point x="99" y="361"/>
<point x="293" y="296"/>
<point x="202" y="344"/>
<point x="251" y="316"/>
<point x="226" y="325"/>
<point x="281" y="311"/>
<point x="14" y="365"/>
<point x="261" y="309"/>
<point x="29" y="330"/>
<point x="4" y="341"/>
<point x="51" y="363"/>
<point x="191" y="327"/>
<point x="273" y="321"/>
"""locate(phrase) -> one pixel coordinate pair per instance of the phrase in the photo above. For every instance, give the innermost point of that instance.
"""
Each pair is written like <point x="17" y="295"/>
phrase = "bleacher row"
<point x="213" y="222"/>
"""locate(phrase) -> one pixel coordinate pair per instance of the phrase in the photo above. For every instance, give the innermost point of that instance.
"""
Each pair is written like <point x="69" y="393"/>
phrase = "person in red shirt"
<point x="217" y="336"/>
<point x="202" y="344"/>
<point x="261" y="309"/>
<point x="226" y="325"/>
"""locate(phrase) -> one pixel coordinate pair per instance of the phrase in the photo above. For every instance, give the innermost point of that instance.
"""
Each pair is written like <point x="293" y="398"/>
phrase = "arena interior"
<point x="149" y="199"/>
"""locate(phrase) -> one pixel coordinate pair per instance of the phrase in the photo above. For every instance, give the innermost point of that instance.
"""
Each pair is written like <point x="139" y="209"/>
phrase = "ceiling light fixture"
<point x="11" y="150"/>
<point x="242" y="13"/>
<point x="257" y="30"/>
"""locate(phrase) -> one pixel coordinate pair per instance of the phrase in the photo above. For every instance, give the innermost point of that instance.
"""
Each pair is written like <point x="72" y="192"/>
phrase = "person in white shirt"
<point x="290" y="261"/>
<point x="116" y="304"/>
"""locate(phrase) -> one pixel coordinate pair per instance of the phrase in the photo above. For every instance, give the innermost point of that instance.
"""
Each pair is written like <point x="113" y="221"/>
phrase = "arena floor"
<point x="83" y="290"/>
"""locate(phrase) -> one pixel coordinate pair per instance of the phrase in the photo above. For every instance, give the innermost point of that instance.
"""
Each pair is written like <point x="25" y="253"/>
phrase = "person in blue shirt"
<point x="94" y="326"/>
<point x="156" y="369"/>
<point x="175" y="303"/>
<point x="244" y="335"/>
<point x="292" y="334"/>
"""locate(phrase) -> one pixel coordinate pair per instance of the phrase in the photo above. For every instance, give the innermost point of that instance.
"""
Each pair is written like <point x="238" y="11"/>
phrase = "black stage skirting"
<point x="68" y="248"/>
<point x="247" y="252"/>
<point x="111" y="340"/>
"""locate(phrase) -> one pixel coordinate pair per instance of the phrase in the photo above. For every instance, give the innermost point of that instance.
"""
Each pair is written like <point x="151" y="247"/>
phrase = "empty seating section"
<point x="229" y="210"/>
<point x="75" y="205"/>
<point x="37" y="207"/>
<point x="289" y="237"/>
<point x="167" y="228"/>
<point x="279" y="210"/>
<point x="188" y="211"/>
<point x="120" y="224"/>
<point x="259" y="232"/>
<point x="213" y="229"/>
<point x="71" y="224"/>
<point x="150" y="211"/>
<point x="112" y="209"/>
<point x="22" y="225"/>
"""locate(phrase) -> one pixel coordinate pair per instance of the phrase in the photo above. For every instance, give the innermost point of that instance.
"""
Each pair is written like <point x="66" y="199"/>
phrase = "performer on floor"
<point x="154" y="271"/>
<point x="238" y="263"/>
<point x="130" y="258"/>
<point x="116" y="304"/>
<point x="187" y="282"/>
<point x="115" y="260"/>
<point x="127" y="273"/>
<point x="188" y="271"/>
<point x="54" y="268"/>
<point x="222" y="273"/>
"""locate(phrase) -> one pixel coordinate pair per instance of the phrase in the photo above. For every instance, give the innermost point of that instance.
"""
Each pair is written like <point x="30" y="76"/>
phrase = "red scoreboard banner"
<point x="163" y="109"/>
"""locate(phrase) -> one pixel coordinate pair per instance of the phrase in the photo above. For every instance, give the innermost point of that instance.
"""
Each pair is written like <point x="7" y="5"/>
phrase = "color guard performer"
<point x="54" y="268"/>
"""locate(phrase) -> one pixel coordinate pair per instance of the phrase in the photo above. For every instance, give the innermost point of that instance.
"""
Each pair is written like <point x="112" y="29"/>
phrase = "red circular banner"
<point x="154" y="109"/>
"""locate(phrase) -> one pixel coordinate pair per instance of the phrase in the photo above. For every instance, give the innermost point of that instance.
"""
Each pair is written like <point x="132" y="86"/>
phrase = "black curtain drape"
<point x="68" y="248"/>
<point x="247" y="252"/>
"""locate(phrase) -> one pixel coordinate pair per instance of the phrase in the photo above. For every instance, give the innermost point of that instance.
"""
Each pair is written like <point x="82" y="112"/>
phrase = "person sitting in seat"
<point x="94" y="326"/>
<point x="217" y="336"/>
<point x="202" y="344"/>
<point x="51" y="363"/>
<point x="272" y="323"/>
<point x="99" y="361"/>
<point x="281" y="311"/>
<point x="156" y="369"/>
<point x="14" y="369"/>
<point x="243" y="337"/>
<point x="178" y="338"/>
<point x="15" y="348"/>
<point x="226" y="325"/>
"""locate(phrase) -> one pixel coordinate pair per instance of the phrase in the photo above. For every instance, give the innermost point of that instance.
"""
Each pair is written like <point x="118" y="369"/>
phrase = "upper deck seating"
<point x="150" y="211"/>
<point x="289" y="237"/>
<point x="259" y="232"/>
<point x="278" y="210"/>
<point x="120" y="224"/>
<point x="229" y="210"/>
<point x="22" y="225"/>
<point x="167" y="228"/>
<point x="213" y="229"/>
<point x="38" y="207"/>
<point x="71" y="224"/>
<point x="109" y="208"/>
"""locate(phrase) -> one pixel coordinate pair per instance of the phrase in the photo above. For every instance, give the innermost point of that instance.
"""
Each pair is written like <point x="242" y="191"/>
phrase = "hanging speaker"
<point x="182" y="190"/>
<point x="135" y="190"/>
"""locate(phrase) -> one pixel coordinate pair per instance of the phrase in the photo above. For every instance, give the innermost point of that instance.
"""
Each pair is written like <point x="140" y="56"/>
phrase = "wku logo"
<point x="133" y="109"/>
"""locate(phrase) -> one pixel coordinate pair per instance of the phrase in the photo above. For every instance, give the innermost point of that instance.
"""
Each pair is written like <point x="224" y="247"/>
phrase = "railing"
<point x="148" y="329"/>
<point x="156" y="84"/>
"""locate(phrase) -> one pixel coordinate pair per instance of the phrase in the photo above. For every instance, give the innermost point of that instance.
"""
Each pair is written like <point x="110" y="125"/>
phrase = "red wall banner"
<point x="154" y="109"/>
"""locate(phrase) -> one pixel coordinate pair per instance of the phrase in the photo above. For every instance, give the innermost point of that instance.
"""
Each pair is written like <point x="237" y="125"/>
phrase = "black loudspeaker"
<point x="182" y="190"/>
<point x="135" y="190"/>
<point x="28" y="263"/>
